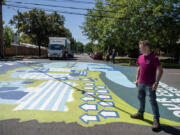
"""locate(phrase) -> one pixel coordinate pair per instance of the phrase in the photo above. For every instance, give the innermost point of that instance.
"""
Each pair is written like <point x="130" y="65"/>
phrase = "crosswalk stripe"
<point x="43" y="85"/>
<point x="55" y="107"/>
<point x="42" y="96"/>
<point x="51" y="96"/>
<point x="62" y="106"/>
<point x="22" y="105"/>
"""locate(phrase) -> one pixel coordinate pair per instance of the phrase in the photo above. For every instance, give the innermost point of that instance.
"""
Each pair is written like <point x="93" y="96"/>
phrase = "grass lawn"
<point x="166" y="62"/>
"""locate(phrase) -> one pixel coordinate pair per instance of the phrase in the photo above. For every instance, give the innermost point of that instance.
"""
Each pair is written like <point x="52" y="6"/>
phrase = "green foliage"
<point x="3" y="1"/>
<point x="39" y="26"/>
<point x="171" y="65"/>
<point x="88" y="48"/>
<point x="79" y="47"/>
<point x="8" y="35"/>
<point x="73" y="44"/>
<point x="97" y="48"/>
<point x="24" y="38"/>
<point x="123" y="23"/>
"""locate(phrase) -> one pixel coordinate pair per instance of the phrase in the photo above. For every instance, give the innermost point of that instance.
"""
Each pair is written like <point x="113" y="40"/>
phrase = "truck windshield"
<point x="56" y="47"/>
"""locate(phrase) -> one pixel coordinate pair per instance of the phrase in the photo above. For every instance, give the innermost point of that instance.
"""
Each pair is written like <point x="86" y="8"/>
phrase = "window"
<point x="56" y="47"/>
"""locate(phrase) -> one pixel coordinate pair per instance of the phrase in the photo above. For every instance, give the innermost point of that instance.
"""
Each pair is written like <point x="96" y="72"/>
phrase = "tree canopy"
<point x="39" y="26"/>
<point x="8" y="35"/>
<point x="123" y="23"/>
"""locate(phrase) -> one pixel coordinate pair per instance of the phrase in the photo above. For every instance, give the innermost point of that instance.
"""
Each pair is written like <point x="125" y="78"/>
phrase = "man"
<point x="107" y="56"/>
<point x="113" y="55"/>
<point x="147" y="81"/>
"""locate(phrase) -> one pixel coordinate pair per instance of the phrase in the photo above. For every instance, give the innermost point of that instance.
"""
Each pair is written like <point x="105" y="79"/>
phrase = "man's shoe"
<point x="156" y="126"/>
<point x="137" y="116"/>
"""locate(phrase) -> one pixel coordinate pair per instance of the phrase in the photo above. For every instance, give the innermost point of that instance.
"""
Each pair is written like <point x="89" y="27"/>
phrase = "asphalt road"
<point x="33" y="127"/>
<point x="170" y="76"/>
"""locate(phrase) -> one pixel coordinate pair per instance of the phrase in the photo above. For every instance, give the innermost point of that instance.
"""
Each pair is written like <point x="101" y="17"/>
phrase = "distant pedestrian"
<point x="107" y="56"/>
<point x="113" y="55"/>
<point x="66" y="53"/>
<point x="147" y="82"/>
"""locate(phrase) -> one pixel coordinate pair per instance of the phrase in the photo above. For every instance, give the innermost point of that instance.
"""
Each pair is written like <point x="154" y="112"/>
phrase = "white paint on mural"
<point x="60" y="98"/>
<point x="70" y="98"/>
<point x="89" y="84"/>
<point x="29" y="100"/>
<point x="177" y="113"/>
<point x="88" y="88"/>
<point x="53" y="96"/>
<point x="169" y="97"/>
<point x="50" y="97"/>
<point x="60" y="69"/>
<point x="113" y="75"/>
<point x="38" y="76"/>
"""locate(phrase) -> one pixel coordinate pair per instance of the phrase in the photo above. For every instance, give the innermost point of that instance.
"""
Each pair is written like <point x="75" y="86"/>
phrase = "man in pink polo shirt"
<point x="147" y="81"/>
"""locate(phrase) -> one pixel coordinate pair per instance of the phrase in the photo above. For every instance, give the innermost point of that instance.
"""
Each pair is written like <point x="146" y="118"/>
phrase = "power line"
<point x="75" y="8"/>
<point x="24" y="7"/>
<point x="84" y="2"/>
<point x="37" y="4"/>
<point x="65" y="12"/>
<point x="72" y="1"/>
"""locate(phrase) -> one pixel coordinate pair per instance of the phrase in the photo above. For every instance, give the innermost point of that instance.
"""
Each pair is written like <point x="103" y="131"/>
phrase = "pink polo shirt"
<point x="148" y="65"/>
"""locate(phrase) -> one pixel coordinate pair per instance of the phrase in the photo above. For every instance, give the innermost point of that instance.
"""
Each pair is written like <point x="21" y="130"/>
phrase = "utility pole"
<point x="18" y="35"/>
<point x="1" y="32"/>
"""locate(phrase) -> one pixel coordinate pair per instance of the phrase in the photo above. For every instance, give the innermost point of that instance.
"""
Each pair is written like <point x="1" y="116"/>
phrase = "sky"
<point x="72" y="22"/>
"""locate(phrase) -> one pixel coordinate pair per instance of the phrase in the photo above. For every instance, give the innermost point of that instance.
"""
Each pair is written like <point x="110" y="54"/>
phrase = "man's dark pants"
<point x="143" y="90"/>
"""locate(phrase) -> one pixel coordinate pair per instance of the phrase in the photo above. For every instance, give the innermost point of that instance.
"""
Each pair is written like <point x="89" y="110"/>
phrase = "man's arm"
<point x="158" y="77"/>
<point x="160" y="73"/>
<point x="137" y="76"/>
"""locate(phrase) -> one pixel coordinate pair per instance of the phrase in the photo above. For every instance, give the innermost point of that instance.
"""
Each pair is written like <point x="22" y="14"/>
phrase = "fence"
<point x="24" y="49"/>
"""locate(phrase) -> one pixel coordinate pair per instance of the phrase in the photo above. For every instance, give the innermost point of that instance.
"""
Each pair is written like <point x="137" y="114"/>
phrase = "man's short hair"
<point x="145" y="43"/>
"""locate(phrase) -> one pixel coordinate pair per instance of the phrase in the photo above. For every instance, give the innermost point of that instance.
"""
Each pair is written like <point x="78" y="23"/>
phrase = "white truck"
<point x="59" y="47"/>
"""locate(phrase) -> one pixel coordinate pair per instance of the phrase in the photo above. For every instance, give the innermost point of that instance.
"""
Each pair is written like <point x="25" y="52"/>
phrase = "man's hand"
<point x="154" y="87"/>
<point x="136" y="83"/>
<point x="137" y="76"/>
<point x="160" y="72"/>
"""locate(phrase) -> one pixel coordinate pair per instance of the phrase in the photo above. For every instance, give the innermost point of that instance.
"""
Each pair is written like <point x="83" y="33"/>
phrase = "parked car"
<point x="98" y="55"/>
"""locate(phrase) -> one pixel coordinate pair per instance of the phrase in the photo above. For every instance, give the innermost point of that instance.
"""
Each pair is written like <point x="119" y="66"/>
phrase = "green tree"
<point x="8" y="35"/>
<point x="24" y="38"/>
<point x="88" y="48"/>
<point x="79" y="47"/>
<point x="3" y="1"/>
<point x="73" y="45"/>
<point x="39" y="26"/>
<point x="91" y="27"/>
<point x="123" y="23"/>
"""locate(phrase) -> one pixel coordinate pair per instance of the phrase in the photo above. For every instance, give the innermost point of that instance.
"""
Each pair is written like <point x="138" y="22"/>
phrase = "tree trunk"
<point x="1" y="32"/>
<point x="39" y="49"/>
<point x="179" y="55"/>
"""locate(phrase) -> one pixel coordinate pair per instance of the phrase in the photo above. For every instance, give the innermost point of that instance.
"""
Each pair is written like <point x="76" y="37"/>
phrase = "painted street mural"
<point x="86" y="93"/>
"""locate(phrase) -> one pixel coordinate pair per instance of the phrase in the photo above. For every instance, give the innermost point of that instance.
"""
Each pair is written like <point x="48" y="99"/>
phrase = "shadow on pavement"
<point x="33" y="127"/>
<point x="67" y="59"/>
<point x="165" y="128"/>
<point x="11" y="58"/>
<point x="170" y="130"/>
<point x="14" y="58"/>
